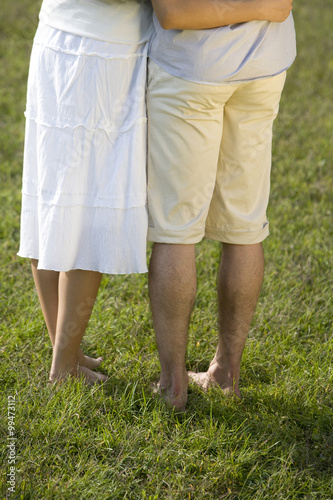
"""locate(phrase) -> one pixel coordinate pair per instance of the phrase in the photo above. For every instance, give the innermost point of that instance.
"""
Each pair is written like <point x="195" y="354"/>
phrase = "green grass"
<point x="117" y="441"/>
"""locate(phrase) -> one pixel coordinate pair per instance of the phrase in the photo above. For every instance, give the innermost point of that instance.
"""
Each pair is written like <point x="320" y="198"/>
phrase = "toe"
<point x="91" y="363"/>
<point x="92" y="377"/>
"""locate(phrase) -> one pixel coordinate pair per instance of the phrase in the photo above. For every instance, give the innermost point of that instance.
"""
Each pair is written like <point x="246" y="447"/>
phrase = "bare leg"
<point x="172" y="289"/>
<point x="77" y="294"/>
<point x="47" y="284"/>
<point x="239" y="282"/>
<point x="47" y="288"/>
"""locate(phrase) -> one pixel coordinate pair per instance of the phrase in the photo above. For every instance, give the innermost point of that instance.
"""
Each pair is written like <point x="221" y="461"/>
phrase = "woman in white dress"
<point x="84" y="177"/>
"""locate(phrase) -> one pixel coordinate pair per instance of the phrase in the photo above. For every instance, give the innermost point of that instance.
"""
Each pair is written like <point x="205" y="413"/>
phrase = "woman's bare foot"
<point x="91" y="377"/>
<point x="88" y="362"/>
<point x="88" y="376"/>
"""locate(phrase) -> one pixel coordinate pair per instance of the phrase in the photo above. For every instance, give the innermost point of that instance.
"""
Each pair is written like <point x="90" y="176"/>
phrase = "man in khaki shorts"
<point x="212" y="98"/>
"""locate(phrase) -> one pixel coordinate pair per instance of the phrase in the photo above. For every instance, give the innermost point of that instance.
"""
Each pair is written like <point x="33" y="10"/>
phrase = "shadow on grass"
<point x="300" y="428"/>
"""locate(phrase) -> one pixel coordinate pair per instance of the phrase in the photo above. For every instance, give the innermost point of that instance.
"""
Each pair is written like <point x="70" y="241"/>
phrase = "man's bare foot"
<point x="205" y="380"/>
<point x="88" y="362"/>
<point x="176" y="401"/>
<point x="201" y="379"/>
<point x="88" y="376"/>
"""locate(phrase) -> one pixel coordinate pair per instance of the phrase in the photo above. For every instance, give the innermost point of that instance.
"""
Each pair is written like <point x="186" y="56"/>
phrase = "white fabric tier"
<point x="84" y="175"/>
<point x="126" y="21"/>
<point x="103" y="239"/>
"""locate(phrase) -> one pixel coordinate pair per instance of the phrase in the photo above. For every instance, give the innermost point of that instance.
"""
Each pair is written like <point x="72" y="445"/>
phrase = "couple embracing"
<point x="216" y="70"/>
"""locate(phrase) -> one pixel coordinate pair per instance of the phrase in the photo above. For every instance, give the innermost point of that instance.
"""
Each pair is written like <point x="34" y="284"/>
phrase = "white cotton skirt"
<point x="84" y="172"/>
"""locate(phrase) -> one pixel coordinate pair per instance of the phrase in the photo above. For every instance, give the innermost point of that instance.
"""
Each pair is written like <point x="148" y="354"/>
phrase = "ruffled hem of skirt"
<point x="105" y="240"/>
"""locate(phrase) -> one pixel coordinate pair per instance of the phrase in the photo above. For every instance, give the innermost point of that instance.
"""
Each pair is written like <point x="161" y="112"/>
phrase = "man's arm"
<point x="204" y="14"/>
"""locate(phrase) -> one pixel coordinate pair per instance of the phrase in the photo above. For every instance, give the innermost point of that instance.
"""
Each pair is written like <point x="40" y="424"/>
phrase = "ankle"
<point x="174" y="378"/>
<point x="174" y="386"/>
<point x="60" y="370"/>
<point x="225" y="374"/>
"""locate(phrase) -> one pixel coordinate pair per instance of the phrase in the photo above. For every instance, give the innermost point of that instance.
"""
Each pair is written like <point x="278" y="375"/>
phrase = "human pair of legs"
<point x="209" y="160"/>
<point x="172" y="284"/>
<point x="67" y="300"/>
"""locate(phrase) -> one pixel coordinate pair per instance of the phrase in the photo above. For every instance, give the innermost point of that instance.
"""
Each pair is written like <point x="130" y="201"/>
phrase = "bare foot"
<point x="88" y="376"/>
<point x="88" y="362"/>
<point x="91" y="377"/>
<point x="174" y="401"/>
<point x="201" y="379"/>
<point x="205" y="380"/>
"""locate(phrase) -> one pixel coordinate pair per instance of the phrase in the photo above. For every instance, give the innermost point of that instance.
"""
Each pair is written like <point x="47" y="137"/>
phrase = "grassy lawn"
<point x="117" y="441"/>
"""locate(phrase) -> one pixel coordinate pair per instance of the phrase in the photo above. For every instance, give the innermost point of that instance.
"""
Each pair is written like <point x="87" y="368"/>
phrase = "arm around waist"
<point x="205" y="14"/>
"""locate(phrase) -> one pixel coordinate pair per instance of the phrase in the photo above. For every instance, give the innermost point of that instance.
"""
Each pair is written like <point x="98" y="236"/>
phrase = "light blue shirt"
<point x="230" y="54"/>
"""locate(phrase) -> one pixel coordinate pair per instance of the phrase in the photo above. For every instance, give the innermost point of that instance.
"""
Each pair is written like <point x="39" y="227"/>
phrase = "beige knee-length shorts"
<point x="209" y="158"/>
